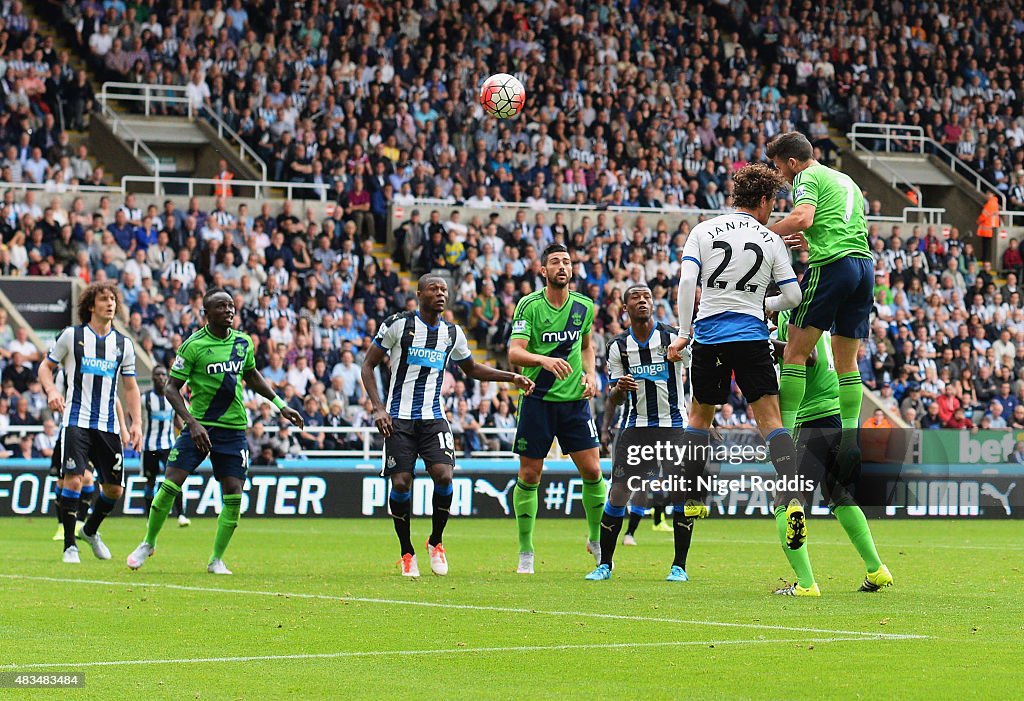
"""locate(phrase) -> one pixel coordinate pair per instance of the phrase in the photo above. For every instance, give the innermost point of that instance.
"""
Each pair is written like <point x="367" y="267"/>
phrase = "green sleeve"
<point x="783" y="321"/>
<point x="183" y="363"/>
<point x="250" y="358"/>
<point x="805" y="189"/>
<point x="522" y="321"/>
<point x="588" y="320"/>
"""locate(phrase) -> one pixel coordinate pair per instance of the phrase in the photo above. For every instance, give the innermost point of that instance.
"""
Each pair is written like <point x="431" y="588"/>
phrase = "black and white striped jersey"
<point x="159" y="422"/>
<point x="663" y="397"/>
<point x="91" y="364"/>
<point x="419" y="354"/>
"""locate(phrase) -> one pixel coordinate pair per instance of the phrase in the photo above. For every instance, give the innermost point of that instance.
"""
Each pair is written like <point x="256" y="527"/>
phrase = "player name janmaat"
<point x="720" y="486"/>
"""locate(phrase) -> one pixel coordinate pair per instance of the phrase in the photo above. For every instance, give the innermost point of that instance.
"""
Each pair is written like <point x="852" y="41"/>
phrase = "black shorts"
<point x="428" y="439"/>
<point x="646" y="453"/>
<point x="713" y="366"/>
<point x="89" y="448"/>
<point x="819" y="441"/>
<point x="837" y="297"/>
<point x="56" y="460"/>
<point x="154" y="462"/>
<point x="540" y="422"/>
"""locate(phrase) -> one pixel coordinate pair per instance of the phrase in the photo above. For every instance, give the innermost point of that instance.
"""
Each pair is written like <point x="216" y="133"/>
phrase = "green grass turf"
<point x="957" y="582"/>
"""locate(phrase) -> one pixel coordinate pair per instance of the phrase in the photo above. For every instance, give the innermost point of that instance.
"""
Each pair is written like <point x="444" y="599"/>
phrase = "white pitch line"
<point x="468" y="607"/>
<point x="261" y="528"/>
<point x="442" y="651"/>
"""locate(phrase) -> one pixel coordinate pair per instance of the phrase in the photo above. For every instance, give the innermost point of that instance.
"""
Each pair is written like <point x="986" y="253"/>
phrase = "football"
<point x="502" y="96"/>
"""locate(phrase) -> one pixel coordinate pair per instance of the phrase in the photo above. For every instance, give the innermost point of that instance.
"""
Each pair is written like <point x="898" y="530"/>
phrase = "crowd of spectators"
<point x="629" y="104"/>
<point x="647" y="103"/>
<point x="41" y="97"/>
<point x="947" y="339"/>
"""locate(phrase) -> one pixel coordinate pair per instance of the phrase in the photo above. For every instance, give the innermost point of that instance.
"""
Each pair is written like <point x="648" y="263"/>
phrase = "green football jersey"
<point x="213" y="368"/>
<point x="840" y="228"/>
<point x="821" y="397"/>
<point x="557" y="333"/>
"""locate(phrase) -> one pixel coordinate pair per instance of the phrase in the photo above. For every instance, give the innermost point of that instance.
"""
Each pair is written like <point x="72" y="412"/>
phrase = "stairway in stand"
<point x="480" y="354"/>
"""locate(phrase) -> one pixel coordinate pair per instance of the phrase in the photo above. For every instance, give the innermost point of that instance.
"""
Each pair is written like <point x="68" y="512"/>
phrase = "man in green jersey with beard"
<point x="551" y="342"/>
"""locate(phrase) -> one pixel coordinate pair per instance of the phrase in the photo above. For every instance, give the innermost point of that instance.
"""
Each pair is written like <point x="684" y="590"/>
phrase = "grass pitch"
<point x="316" y="609"/>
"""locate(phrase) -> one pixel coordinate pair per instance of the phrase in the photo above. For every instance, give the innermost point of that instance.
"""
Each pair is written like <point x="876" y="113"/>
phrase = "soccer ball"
<point x="502" y="96"/>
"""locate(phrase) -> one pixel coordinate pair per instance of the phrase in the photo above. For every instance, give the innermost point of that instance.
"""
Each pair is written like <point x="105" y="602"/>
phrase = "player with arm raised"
<point x="656" y="398"/>
<point x="418" y="346"/>
<point x="551" y="341"/>
<point x="818" y="429"/>
<point x="213" y="362"/>
<point x="828" y="208"/>
<point x="736" y="259"/>
<point x="92" y="356"/>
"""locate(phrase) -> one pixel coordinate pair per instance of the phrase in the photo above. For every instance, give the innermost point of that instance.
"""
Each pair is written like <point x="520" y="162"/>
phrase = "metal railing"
<point x="60" y="188"/>
<point x="134" y="141"/>
<point x="366" y="433"/>
<point x="912" y="139"/>
<point x="152" y="96"/>
<point x="260" y="187"/>
<point x="929" y="215"/>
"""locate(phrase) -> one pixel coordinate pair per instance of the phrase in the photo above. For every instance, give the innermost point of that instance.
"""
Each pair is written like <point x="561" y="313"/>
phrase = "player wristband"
<point x="278" y="402"/>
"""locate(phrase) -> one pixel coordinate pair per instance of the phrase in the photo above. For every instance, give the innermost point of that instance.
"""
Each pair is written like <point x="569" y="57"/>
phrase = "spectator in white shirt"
<point x="21" y="344"/>
<point x="299" y="375"/>
<point x="197" y="91"/>
<point x="282" y="334"/>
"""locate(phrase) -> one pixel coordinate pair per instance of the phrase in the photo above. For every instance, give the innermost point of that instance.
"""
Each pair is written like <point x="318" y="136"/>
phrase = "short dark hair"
<point x="426" y="279"/>
<point x="791" y="144"/>
<point x="553" y="248"/>
<point x="88" y="299"/>
<point x="634" y="288"/>
<point x="214" y="291"/>
<point x="753" y="182"/>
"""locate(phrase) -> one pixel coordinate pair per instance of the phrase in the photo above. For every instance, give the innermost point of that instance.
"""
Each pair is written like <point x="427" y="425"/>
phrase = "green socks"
<point x="792" y="385"/>
<point x="799" y="560"/>
<point x="594" y="493"/>
<point x="851" y="394"/>
<point x="226" y="524"/>
<point x="524" y="501"/>
<point x="851" y="518"/>
<point x="162" y="504"/>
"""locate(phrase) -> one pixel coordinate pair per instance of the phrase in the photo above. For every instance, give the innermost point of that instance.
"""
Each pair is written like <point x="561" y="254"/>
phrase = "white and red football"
<point x="502" y="96"/>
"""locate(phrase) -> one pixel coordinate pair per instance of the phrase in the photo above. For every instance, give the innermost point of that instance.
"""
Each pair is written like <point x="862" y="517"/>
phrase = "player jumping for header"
<point x="737" y="258"/>
<point x="837" y="287"/>
<point x="818" y="430"/>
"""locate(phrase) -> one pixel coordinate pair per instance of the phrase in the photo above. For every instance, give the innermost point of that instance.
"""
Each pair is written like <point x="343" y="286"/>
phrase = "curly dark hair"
<point x="754" y="181"/>
<point x="88" y="298"/>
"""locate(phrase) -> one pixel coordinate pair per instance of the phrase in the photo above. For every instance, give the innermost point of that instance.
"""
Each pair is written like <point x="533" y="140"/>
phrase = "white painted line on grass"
<point x="466" y="607"/>
<point x="442" y="651"/>
<point x="768" y="541"/>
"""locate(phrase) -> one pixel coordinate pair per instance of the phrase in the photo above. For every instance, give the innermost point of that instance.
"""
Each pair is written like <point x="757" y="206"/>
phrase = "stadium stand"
<point x="629" y="106"/>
